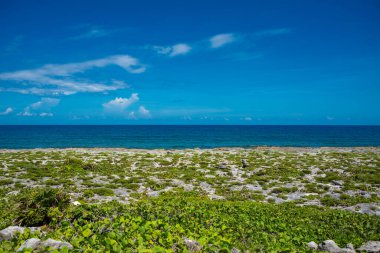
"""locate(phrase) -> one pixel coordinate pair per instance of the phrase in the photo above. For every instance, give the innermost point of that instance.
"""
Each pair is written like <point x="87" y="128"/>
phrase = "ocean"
<point x="189" y="136"/>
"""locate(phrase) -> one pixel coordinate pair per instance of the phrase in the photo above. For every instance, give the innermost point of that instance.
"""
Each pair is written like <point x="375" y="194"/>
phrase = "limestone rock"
<point x="9" y="232"/>
<point x="37" y="244"/>
<point x="370" y="247"/>
<point x="31" y="243"/>
<point x="222" y="166"/>
<point x="56" y="244"/>
<point x="192" y="245"/>
<point x="331" y="247"/>
<point x="312" y="245"/>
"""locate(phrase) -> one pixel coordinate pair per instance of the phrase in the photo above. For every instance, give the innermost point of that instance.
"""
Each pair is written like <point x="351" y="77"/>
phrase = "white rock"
<point x="54" y="244"/>
<point x="329" y="246"/>
<point x="31" y="243"/>
<point x="9" y="232"/>
<point x="76" y="203"/>
<point x="192" y="245"/>
<point x="370" y="247"/>
<point x="312" y="245"/>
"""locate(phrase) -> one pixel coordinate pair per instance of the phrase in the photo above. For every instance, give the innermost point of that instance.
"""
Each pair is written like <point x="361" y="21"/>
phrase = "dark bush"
<point x="35" y="205"/>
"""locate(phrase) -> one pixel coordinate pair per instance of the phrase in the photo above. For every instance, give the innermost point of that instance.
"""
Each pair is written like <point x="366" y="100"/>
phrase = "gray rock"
<point x="312" y="245"/>
<point x="337" y="182"/>
<point x="244" y="163"/>
<point x="350" y="246"/>
<point x="331" y="247"/>
<point x="192" y="245"/>
<point x="54" y="244"/>
<point x="35" y="243"/>
<point x="153" y="194"/>
<point x="222" y="166"/>
<point x="11" y="231"/>
<point x="31" y="243"/>
<point x="370" y="247"/>
<point x="235" y="250"/>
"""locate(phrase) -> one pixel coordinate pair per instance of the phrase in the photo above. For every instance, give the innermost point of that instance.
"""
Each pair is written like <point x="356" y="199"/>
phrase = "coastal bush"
<point x="162" y="224"/>
<point x="103" y="191"/>
<point x="35" y="205"/>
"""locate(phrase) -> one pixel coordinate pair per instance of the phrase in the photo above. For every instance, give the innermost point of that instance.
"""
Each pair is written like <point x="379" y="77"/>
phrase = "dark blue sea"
<point x="180" y="137"/>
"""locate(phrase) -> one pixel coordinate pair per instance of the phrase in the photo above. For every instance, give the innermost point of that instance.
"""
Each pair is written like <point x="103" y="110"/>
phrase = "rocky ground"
<point x="344" y="178"/>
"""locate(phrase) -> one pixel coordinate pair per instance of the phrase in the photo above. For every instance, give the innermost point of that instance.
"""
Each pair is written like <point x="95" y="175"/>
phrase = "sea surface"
<point x="181" y="137"/>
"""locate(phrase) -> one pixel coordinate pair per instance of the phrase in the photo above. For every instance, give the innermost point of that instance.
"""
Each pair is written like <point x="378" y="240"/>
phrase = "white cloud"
<point x="45" y="104"/>
<point x="7" y="111"/>
<point x="57" y="78"/>
<point x="120" y="104"/>
<point x="177" y="49"/>
<point x="25" y="114"/>
<point x="144" y="112"/>
<point x="247" y="119"/>
<point x="222" y="39"/>
<point x="46" y="114"/>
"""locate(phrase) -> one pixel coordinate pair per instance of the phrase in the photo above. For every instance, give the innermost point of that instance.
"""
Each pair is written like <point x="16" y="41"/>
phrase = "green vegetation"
<point x="35" y="207"/>
<point x="161" y="224"/>
<point x="204" y="195"/>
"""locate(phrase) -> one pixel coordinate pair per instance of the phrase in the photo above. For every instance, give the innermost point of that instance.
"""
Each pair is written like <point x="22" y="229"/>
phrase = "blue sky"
<point x="190" y="62"/>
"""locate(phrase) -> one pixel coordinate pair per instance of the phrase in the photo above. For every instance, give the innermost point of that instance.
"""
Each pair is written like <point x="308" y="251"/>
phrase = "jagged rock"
<point x="235" y="250"/>
<point x="222" y="166"/>
<point x="337" y="182"/>
<point x="370" y="247"/>
<point x="56" y="244"/>
<point x="192" y="245"/>
<point x="350" y="246"/>
<point x="331" y="247"/>
<point x="244" y="163"/>
<point x="35" y="243"/>
<point x="313" y="245"/>
<point x="9" y="232"/>
<point x="31" y="243"/>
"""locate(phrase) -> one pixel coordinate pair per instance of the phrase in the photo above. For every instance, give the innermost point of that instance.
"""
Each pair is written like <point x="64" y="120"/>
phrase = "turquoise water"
<point x="170" y="137"/>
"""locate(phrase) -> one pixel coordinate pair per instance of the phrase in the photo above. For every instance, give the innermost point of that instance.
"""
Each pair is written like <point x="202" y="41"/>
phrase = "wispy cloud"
<point x="7" y="111"/>
<point x="41" y="108"/>
<point x="218" y="41"/>
<point x="57" y="78"/>
<point x="145" y="113"/>
<point x="330" y="118"/>
<point x="272" y="32"/>
<point x="119" y="104"/>
<point x="222" y="40"/>
<point x="89" y="31"/>
<point x="175" y="50"/>
<point x="118" y="107"/>
<point x="46" y="114"/>
<point x="93" y="32"/>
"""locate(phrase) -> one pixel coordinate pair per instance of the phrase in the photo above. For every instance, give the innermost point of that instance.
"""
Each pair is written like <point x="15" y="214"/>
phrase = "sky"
<point x="314" y="62"/>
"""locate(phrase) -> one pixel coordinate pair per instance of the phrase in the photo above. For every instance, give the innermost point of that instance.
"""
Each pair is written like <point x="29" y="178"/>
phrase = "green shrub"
<point x="36" y="205"/>
<point x="103" y="191"/>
